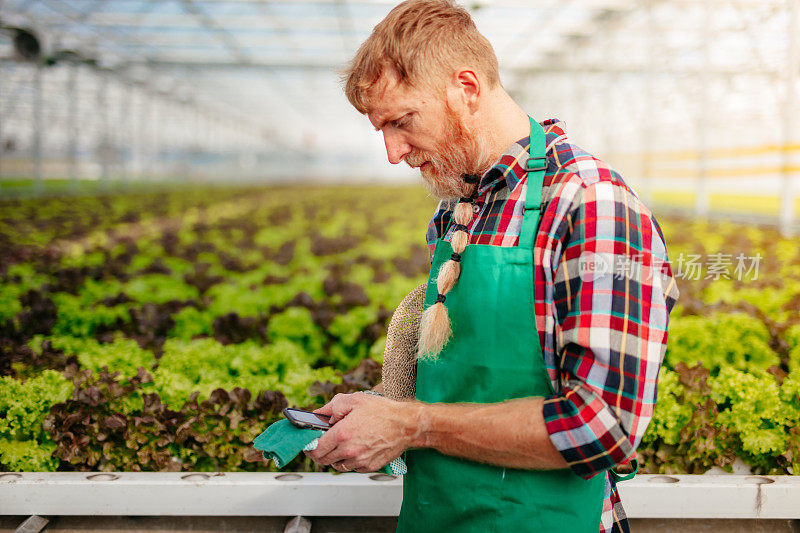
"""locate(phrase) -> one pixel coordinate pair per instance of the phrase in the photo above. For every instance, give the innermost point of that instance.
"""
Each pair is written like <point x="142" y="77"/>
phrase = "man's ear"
<point x="467" y="86"/>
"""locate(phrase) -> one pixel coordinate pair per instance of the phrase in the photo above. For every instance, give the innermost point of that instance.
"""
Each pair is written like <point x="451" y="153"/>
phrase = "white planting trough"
<point x="306" y="494"/>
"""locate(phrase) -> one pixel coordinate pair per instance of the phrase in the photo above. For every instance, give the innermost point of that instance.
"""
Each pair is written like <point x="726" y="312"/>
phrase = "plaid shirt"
<point x="604" y="289"/>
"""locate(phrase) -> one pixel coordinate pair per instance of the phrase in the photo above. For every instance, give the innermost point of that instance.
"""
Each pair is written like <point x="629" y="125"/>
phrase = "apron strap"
<point x="535" y="167"/>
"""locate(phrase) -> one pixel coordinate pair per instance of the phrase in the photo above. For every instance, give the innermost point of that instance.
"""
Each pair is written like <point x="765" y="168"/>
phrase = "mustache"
<point x="416" y="159"/>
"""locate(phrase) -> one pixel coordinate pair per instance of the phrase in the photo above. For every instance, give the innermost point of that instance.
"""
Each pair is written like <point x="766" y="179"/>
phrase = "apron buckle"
<point x="529" y="165"/>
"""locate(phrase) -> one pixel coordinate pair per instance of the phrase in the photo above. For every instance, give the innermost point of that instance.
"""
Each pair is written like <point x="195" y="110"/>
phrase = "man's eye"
<point x="402" y="122"/>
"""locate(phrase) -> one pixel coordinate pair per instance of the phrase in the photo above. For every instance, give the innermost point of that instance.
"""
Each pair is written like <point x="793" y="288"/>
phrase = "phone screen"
<point x="309" y="418"/>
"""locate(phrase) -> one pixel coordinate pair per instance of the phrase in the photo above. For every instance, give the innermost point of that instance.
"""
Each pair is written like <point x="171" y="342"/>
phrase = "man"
<point x="546" y="309"/>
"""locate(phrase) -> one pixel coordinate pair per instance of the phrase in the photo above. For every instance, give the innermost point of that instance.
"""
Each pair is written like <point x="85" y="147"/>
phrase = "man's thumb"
<point x="324" y="410"/>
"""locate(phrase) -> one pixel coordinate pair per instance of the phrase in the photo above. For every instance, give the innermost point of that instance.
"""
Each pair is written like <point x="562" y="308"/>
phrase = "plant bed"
<point x="164" y="331"/>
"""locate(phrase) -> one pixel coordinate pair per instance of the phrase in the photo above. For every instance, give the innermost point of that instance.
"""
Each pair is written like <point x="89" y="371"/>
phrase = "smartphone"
<point x="307" y="419"/>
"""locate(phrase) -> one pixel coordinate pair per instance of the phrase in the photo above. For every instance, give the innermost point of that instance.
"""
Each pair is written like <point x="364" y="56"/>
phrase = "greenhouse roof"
<point x="273" y="65"/>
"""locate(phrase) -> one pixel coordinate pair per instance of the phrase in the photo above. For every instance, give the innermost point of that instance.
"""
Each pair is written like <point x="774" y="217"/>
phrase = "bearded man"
<point x="546" y="310"/>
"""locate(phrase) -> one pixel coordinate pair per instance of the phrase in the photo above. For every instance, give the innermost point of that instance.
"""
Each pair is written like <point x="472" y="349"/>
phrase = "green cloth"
<point x="283" y="441"/>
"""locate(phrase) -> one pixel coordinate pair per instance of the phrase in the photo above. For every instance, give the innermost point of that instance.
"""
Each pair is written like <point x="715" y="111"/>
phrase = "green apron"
<point x="493" y="355"/>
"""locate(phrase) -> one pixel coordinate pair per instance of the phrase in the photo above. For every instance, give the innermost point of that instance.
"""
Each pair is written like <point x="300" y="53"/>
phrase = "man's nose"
<point x="396" y="147"/>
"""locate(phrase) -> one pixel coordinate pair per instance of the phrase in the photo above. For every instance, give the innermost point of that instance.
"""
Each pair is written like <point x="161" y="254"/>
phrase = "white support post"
<point x="207" y="139"/>
<point x="33" y="524"/>
<point x="145" y="110"/>
<point x="609" y="82"/>
<point x="135" y="109"/>
<point x="73" y="123"/>
<point x="649" y="102"/>
<point x="701" y="206"/>
<point x="103" y="143"/>
<point x="186" y="126"/>
<point x="123" y="137"/>
<point x="179" y="146"/>
<point x="197" y="134"/>
<point x="298" y="524"/>
<point x="578" y="107"/>
<point x="148" y="165"/>
<point x="158" y="120"/>
<point x="790" y="121"/>
<point x="38" y="102"/>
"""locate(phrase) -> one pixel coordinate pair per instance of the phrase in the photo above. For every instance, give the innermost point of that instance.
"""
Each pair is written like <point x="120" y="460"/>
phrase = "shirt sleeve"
<point x="613" y="291"/>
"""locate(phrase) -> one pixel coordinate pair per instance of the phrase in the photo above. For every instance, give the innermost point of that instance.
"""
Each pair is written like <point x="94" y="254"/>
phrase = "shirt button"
<point x="476" y="208"/>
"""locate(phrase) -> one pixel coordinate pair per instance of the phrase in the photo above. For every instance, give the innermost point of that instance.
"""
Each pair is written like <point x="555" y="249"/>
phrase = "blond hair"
<point x="435" y="330"/>
<point x="422" y="42"/>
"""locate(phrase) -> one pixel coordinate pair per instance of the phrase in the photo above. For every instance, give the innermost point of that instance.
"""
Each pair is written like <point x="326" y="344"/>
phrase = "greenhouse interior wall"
<point x="197" y="230"/>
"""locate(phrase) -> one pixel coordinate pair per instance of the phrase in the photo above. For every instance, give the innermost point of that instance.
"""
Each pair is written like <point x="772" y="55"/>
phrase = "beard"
<point x="461" y="152"/>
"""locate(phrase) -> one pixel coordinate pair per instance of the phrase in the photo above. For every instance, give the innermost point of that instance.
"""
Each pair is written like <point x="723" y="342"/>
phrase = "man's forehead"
<point x="388" y="97"/>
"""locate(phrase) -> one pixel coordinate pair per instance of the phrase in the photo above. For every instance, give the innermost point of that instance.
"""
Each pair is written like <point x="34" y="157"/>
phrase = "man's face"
<point x="419" y="127"/>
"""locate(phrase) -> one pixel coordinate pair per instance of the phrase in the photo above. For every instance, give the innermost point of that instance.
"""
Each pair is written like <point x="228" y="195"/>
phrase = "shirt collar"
<point x="510" y="167"/>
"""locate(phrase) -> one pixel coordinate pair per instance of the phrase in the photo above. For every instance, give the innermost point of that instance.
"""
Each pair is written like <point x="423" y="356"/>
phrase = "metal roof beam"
<point x="321" y="65"/>
<point x="218" y="31"/>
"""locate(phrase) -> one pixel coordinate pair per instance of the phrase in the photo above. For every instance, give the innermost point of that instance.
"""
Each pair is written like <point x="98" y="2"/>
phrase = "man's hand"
<point x="368" y="432"/>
